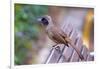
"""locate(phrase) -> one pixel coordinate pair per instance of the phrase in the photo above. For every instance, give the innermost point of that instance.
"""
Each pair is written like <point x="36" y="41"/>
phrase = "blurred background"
<point x="32" y="45"/>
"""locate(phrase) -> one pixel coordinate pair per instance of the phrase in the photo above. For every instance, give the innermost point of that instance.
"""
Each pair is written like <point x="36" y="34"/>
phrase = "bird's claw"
<point x="56" y="48"/>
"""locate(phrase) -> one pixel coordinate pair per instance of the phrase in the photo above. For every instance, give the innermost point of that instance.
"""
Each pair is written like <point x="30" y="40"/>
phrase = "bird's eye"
<point x="44" y="21"/>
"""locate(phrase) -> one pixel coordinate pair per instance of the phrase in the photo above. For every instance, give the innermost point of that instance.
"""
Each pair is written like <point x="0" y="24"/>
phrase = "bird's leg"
<point x="54" y="46"/>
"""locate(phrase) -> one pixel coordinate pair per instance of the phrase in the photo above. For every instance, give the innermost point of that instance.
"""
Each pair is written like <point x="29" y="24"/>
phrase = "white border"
<point x="12" y="36"/>
<point x="71" y="3"/>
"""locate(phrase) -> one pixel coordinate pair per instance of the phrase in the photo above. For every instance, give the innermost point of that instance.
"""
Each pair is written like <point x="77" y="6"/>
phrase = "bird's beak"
<point x="39" y="19"/>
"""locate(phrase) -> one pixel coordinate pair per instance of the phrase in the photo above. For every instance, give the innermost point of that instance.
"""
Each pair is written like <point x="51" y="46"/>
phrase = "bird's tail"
<point x="76" y="49"/>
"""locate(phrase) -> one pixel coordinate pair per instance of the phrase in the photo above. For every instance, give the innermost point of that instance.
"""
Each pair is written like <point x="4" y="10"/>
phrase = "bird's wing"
<point x="64" y="35"/>
<point x="58" y="35"/>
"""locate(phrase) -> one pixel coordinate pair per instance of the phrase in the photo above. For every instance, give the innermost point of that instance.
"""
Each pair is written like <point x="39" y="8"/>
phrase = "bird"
<point x="56" y="34"/>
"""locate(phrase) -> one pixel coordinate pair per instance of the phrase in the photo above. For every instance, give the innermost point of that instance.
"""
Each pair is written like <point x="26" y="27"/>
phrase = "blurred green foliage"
<point x="26" y="28"/>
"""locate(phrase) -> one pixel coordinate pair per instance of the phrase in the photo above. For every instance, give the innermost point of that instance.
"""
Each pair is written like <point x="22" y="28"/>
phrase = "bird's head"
<point x="45" y="20"/>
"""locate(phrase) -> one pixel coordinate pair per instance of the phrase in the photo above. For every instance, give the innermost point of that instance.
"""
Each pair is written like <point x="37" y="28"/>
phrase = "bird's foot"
<point x="56" y="48"/>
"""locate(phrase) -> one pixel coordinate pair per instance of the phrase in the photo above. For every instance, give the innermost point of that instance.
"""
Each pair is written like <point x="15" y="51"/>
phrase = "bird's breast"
<point x="50" y="34"/>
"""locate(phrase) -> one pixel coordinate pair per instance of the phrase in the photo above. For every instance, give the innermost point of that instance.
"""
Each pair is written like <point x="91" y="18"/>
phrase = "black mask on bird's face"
<point x="44" y="21"/>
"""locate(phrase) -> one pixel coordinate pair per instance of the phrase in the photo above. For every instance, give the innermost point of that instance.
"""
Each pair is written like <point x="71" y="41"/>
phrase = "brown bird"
<point x="56" y="34"/>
